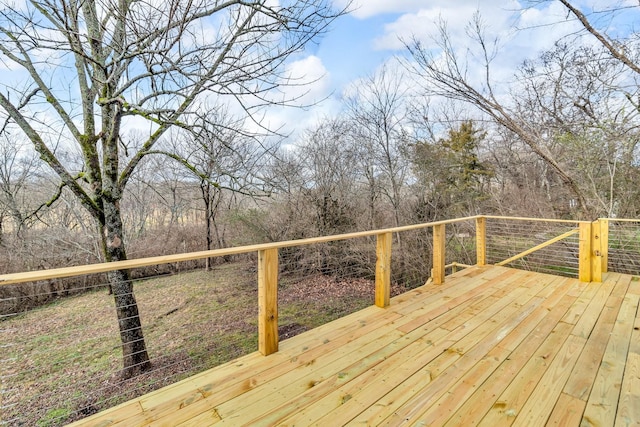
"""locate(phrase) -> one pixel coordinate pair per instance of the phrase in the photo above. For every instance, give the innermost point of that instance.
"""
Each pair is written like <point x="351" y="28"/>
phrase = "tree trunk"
<point x="134" y="352"/>
<point x="205" y="188"/>
<point x="209" y="261"/>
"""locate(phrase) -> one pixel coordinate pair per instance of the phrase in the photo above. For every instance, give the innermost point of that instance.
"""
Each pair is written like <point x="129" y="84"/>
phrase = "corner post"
<point x="383" y="269"/>
<point x="596" y="252"/>
<point x="438" y="253"/>
<point x="584" y="252"/>
<point x="604" y="243"/>
<point x="268" y="301"/>
<point x="481" y="240"/>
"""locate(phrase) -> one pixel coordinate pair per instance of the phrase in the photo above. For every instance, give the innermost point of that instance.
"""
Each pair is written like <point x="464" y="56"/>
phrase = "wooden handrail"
<point x="32" y="276"/>
<point x="56" y="273"/>
<point x="593" y="249"/>
<point x="619" y="220"/>
<point x="458" y="264"/>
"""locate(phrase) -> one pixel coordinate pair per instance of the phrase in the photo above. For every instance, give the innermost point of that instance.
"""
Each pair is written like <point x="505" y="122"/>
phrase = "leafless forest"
<point x="382" y="161"/>
<point x="432" y="134"/>
<point x="437" y="132"/>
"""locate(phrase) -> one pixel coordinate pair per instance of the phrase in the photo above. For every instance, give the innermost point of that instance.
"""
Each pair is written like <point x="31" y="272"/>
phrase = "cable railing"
<point x="545" y="246"/>
<point x="62" y="360"/>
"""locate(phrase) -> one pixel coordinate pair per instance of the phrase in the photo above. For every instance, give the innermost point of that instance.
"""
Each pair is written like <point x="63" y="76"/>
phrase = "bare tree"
<point x="89" y="66"/>
<point x="18" y="170"/>
<point x="617" y="48"/>
<point x="285" y="215"/>
<point x="227" y="161"/>
<point x="581" y="96"/>
<point x="173" y="187"/>
<point x="328" y="157"/>
<point x="444" y="73"/>
<point x="139" y="203"/>
<point x="376" y="106"/>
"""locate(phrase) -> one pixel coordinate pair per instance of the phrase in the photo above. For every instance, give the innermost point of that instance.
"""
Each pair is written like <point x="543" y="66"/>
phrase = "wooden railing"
<point x="593" y="245"/>
<point x="593" y="238"/>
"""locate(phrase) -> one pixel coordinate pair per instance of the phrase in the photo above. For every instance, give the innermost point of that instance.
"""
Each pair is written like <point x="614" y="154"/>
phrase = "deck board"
<point x="492" y="346"/>
<point x="603" y="400"/>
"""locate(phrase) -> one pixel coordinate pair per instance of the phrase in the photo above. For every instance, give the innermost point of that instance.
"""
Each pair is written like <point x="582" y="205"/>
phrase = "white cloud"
<point x="423" y="23"/>
<point x="363" y="9"/>
<point x="540" y="28"/>
<point x="310" y="79"/>
<point x="527" y="29"/>
<point x="521" y="33"/>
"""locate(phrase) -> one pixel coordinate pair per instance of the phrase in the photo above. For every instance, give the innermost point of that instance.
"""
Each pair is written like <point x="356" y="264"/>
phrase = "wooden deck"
<point x="492" y="346"/>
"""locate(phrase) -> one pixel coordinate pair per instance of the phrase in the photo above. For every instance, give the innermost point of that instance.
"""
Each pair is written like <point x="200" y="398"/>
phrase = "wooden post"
<point x="481" y="241"/>
<point x="596" y="252"/>
<point x="438" y="253"/>
<point x="383" y="269"/>
<point x="268" y="301"/>
<point x="604" y="244"/>
<point x="584" y="252"/>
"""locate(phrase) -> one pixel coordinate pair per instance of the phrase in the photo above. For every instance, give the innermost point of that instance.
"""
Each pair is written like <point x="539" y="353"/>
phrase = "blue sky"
<point x="359" y="43"/>
<point x="371" y="35"/>
<point x="348" y="49"/>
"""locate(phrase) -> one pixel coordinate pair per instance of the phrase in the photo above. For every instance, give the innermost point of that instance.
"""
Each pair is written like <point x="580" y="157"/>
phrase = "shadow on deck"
<point x="492" y="346"/>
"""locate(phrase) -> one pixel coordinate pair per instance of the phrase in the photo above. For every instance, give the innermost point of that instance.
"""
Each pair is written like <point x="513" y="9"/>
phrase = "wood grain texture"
<point x="383" y="270"/>
<point x="268" y="301"/>
<point x="585" y="252"/>
<point x="481" y="241"/>
<point x="603" y="400"/>
<point x="491" y="346"/>
<point x="439" y="247"/>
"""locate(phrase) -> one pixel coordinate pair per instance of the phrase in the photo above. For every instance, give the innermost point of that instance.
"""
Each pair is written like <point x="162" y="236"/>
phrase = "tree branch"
<point x="602" y="38"/>
<point x="48" y="157"/>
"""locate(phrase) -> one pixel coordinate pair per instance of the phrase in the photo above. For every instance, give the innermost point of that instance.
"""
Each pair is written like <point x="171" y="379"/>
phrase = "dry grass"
<point x="62" y="361"/>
